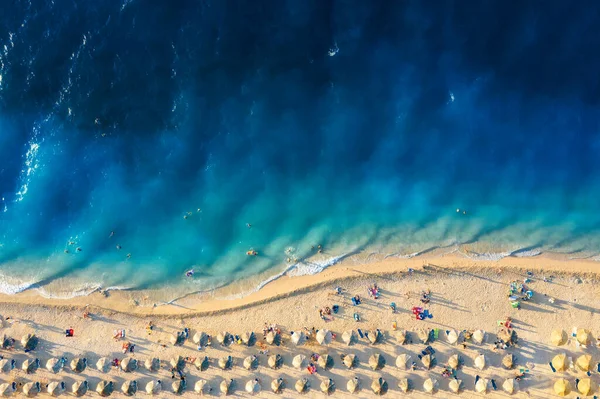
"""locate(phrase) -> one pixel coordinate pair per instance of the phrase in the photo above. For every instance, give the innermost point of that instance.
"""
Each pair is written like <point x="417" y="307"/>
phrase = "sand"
<point x="466" y="294"/>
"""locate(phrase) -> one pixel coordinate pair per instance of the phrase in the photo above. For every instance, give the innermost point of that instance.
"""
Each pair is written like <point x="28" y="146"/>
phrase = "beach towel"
<point x="436" y="333"/>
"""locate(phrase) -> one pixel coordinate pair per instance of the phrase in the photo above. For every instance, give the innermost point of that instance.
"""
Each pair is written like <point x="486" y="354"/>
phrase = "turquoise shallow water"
<point x="358" y="126"/>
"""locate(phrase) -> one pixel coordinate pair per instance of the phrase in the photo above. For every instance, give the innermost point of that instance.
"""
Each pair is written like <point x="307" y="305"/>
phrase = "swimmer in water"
<point x="189" y="273"/>
<point x="112" y="233"/>
<point x="71" y="242"/>
<point x="66" y="251"/>
<point x="118" y="246"/>
<point x="78" y="249"/>
<point x="248" y="225"/>
<point x="128" y="256"/>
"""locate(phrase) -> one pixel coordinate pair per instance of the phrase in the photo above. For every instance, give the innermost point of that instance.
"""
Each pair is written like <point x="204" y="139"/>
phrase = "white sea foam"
<point x="13" y="288"/>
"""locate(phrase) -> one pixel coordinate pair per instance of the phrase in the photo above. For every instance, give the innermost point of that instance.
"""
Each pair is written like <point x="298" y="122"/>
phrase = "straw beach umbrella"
<point x="558" y="337"/>
<point x="177" y="363"/>
<point x="154" y="387"/>
<point x="583" y="336"/>
<point x="78" y="364"/>
<point x="298" y="338"/>
<point x="8" y="388"/>
<point x="427" y="361"/>
<point x="79" y="388"/>
<point x="301" y="385"/>
<point x="560" y="362"/>
<point x="481" y="385"/>
<point x="178" y="386"/>
<point x="424" y="335"/>
<point x="376" y="361"/>
<point x="327" y="386"/>
<point x="452" y="337"/>
<point x="324" y="337"/>
<point x="349" y="337"/>
<point x="401" y="337"/>
<point x="201" y="387"/>
<point x="352" y="385"/>
<point x="454" y="361"/>
<point x="562" y="387"/>
<point x="253" y="387"/>
<point x="325" y="361"/>
<point x="510" y="386"/>
<point x="273" y="338"/>
<point x="349" y="360"/>
<point x="430" y="385"/>
<point x="250" y="362"/>
<point x="277" y="385"/>
<point x="225" y="386"/>
<point x="585" y="386"/>
<point x="55" y="365"/>
<point x="152" y="364"/>
<point x="6" y="365"/>
<point x="223" y="338"/>
<point x="248" y="338"/>
<point x="403" y="384"/>
<point x="29" y="342"/>
<point x="129" y="364"/>
<point x="402" y="361"/>
<point x="202" y="363"/>
<point x="274" y="361"/>
<point x="508" y="361"/>
<point x="455" y="385"/>
<point x="379" y="386"/>
<point x="225" y="363"/>
<point x="583" y="362"/>
<point x="374" y="336"/>
<point x="30" y="389"/>
<point x="105" y="388"/>
<point x="103" y="364"/>
<point x="480" y="361"/>
<point x="298" y="361"/>
<point x="129" y="387"/>
<point x="30" y="365"/>
<point x="479" y="337"/>
<point x="55" y="388"/>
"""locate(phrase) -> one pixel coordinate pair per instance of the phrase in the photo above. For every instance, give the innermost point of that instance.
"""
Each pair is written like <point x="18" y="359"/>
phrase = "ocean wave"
<point x="85" y="290"/>
<point x="14" y="288"/>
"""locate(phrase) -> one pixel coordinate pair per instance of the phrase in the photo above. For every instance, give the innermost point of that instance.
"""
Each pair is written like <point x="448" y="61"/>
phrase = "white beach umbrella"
<point x="327" y="386"/>
<point x="374" y="336"/>
<point x="253" y="387"/>
<point x="78" y="364"/>
<point x="482" y="385"/>
<point x="301" y="385"/>
<point x="274" y="361"/>
<point x="154" y="387"/>
<point x="298" y="338"/>
<point x="199" y="337"/>
<point x="424" y="335"/>
<point x="55" y="388"/>
<point x="178" y="386"/>
<point x="510" y="385"/>
<point x="177" y="362"/>
<point x="349" y="337"/>
<point x="29" y="342"/>
<point x="8" y="388"/>
<point x="202" y="363"/>
<point x="6" y="365"/>
<point x="352" y="385"/>
<point x="427" y="361"/>
<point x="454" y="361"/>
<point x="105" y="388"/>
<point x="480" y="361"/>
<point x="478" y="337"/>
<point x="129" y="364"/>
<point x="56" y="365"/>
<point x="452" y="337"/>
<point x="250" y="362"/>
<point x="376" y="361"/>
<point x="402" y="361"/>
<point x="223" y="338"/>
<point x="403" y="384"/>
<point x="79" y="388"/>
<point x="349" y="360"/>
<point x="277" y="385"/>
<point x="248" y="338"/>
<point x="401" y="337"/>
<point x="152" y="364"/>
<point x="273" y="338"/>
<point x="201" y="387"/>
<point x="225" y="386"/>
<point x="30" y="389"/>
<point x="298" y="361"/>
<point x="455" y="385"/>
<point x="325" y="361"/>
<point x="129" y="388"/>
<point x="430" y="385"/>
<point x="324" y="337"/>
<point x="379" y="386"/>
<point x="103" y="364"/>
<point x="225" y="362"/>
<point x="30" y="365"/>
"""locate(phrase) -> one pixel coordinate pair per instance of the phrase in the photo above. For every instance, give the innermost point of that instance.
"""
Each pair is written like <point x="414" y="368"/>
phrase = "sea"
<point x="142" y="139"/>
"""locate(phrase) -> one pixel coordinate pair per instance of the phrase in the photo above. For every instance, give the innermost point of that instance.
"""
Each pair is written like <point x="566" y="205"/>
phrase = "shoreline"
<point x="356" y="266"/>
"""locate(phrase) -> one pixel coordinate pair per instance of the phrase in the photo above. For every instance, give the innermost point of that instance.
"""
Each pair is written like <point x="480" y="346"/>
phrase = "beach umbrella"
<point x="424" y="335"/>
<point x="558" y="337"/>
<point x="374" y="336"/>
<point x="301" y="385"/>
<point x="202" y="363"/>
<point x="583" y="362"/>
<point x="298" y="338"/>
<point x="129" y="387"/>
<point x="376" y="361"/>
<point x="277" y="385"/>
<point x="324" y="337"/>
<point x="6" y="365"/>
<point x="199" y="337"/>
<point x="403" y="384"/>
<point x="103" y="364"/>
<point x="379" y="386"/>
<point x="560" y="362"/>
<point x="454" y="361"/>
<point x="325" y="361"/>
<point x="223" y="338"/>
<point x="154" y="387"/>
<point x="56" y="365"/>
<point x="253" y="387"/>
<point x="430" y="385"/>
<point x="152" y="364"/>
<point x="274" y="361"/>
<point x="585" y="386"/>
<point x="78" y="364"/>
<point x="29" y="342"/>
<point x="401" y="337"/>
<point x="225" y="386"/>
<point x="104" y="388"/>
<point x="454" y="385"/>
<point x="79" y="388"/>
<point x="562" y="387"/>
<point x="352" y="385"/>
<point x="327" y="386"/>
<point x="427" y="360"/>
<point x="225" y="363"/>
<point x="510" y="385"/>
<point x="8" y="388"/>
<point x="30" y="365"/>
<point x="402" y="361"/>
<point x="129" y="364"/>
<point x="480" y="361"/>
<point x="177" y="363"/>
<point x="248" y="338"/>
<point x="273" y="338"/>
<point x="478" y="336"/>
<point x="506" y="335"/>
<point x="7" y="342"/>
<point x="349" y="360"/>
<point x="178" y="386"/>
<point x="201" y="387"/>
<point x="31" y="389"/>
<point x="298" y="360"/>
<point x="452" y="337"/>
<point x="177" y="339"/>
<point x="508" y="361"/>
<point x="583" y="336"/>
<point x="250" y="362"/>
<point x="349" y="337"/>
<point x="481" y="385"/>
<point x="55" y="388"/>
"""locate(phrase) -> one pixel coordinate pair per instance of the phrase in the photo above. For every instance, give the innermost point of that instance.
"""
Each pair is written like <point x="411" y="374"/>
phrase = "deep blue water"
<point x="358" y="125"/>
